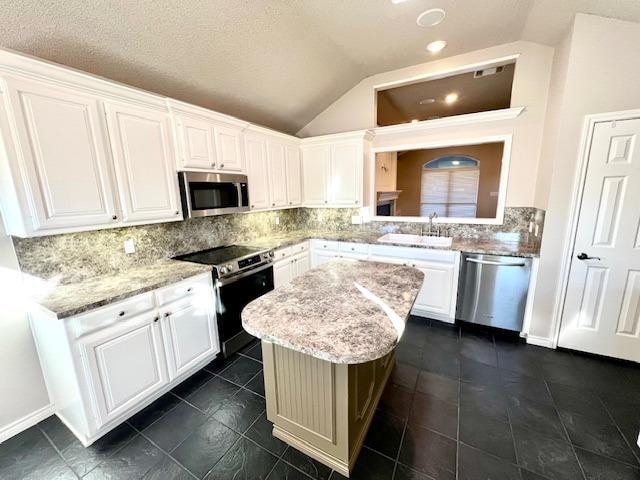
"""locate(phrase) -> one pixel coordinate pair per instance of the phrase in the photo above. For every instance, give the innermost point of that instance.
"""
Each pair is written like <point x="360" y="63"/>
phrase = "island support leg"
<point x="321" y="408"/>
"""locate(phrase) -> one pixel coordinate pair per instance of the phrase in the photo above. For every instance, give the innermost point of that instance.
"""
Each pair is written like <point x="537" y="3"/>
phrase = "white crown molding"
<point x="453" y="121"/>
<point x="336" y="137"/>
<point x="178" y="107"/>
<point x="273" y="133"/>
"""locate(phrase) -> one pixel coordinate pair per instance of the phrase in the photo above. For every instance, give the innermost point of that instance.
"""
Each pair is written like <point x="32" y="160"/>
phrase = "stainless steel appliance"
<point x="240" y="274"/>
<point x="492" y="290"/>
<point x="206" y="194"/>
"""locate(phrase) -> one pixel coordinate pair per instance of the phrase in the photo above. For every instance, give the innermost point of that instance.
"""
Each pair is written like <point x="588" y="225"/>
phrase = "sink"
<point x="410" y="239"/>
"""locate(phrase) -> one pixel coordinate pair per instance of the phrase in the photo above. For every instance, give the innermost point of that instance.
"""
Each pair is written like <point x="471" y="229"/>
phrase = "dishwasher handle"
<point x="500" y="264"/>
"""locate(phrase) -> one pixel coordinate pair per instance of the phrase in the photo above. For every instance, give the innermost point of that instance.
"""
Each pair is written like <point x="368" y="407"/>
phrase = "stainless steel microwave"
<point x="206" y="194"/>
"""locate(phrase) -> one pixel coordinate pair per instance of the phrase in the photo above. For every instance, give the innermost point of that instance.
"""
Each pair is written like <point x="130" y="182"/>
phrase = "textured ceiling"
<point x="277" y="63"/>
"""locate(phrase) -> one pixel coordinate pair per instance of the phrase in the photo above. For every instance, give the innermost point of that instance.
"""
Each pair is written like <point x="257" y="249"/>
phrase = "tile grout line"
<point x="626" y="441"/>
<point x="58" y="451"/>
<point x="566" y="432"/>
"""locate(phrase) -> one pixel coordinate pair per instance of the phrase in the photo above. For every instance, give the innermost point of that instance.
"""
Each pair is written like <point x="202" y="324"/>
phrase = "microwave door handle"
<point x="239" y="190"/>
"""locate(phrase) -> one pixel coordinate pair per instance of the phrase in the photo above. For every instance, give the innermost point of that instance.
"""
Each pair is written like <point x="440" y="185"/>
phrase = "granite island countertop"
<point x="74" y="298"/>
<point x="487" y="245"/>
<point x="345" y="311"/>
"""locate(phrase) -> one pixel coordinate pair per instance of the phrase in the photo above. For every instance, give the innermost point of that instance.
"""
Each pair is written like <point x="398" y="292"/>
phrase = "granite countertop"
<point x="345" y="311"/>
<point x="487" y="245"/>
<point x="75" y="298"/>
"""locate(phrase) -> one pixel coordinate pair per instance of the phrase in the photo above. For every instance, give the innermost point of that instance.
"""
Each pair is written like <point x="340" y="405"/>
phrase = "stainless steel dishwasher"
<point x="492" y="290"/>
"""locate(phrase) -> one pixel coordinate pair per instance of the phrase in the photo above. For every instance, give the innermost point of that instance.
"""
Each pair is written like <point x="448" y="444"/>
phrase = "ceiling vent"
<point x="487" y="71"/>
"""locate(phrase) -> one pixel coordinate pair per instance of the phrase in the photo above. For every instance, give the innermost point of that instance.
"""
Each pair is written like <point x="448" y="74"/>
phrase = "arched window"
<point x="450" y="186"/>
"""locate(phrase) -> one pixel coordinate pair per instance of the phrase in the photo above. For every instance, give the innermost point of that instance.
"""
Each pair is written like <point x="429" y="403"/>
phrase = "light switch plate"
<point x="129" y="246"/>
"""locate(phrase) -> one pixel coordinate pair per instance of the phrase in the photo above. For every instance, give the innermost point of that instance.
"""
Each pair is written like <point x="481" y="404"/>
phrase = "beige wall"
<point x="22" y="388"/>
<point x="356" y="110"/>
<point x="596" y="70"/>
<point x="410" y="176"/>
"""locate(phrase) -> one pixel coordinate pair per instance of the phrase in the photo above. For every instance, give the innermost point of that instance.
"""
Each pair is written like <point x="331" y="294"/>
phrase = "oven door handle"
<point x="226" y="281"/>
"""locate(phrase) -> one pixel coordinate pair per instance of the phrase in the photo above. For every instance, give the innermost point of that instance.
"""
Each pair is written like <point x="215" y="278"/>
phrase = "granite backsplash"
<point x="77" y="256"/>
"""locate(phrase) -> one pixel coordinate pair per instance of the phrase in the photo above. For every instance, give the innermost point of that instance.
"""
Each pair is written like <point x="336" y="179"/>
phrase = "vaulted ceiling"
<point x="277" y="63"/>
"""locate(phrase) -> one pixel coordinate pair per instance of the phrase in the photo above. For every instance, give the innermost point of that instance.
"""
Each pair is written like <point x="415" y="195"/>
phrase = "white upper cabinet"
<point x="294" y="175"/>
<point x="345" y="174"/>
<point x="228" y="140"/>
<point x="255" y="147"/>
<point x="333" y="169"/>
<point x="315" y="167"/>
<point x="195" y="143"/>
<point x="144" y="163"/>
<point x="277" y="174"/>
<point x="58" y="155"/>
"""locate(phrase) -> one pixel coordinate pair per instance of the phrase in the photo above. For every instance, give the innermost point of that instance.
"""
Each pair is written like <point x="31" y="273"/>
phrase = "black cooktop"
<point x="219" y="255"/>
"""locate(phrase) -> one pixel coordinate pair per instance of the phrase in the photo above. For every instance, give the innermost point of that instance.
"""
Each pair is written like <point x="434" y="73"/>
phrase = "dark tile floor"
<point x="461" y="404"/>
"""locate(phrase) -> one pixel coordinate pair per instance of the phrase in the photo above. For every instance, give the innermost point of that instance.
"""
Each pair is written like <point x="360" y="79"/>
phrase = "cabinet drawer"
<point x="186" y="287"/>
<point x="326" y="245"/>
<point x="283" y="253"/>
<point x="301" y="247"/>
<point x="116" y="312"/>
<point x="349" y="247"/>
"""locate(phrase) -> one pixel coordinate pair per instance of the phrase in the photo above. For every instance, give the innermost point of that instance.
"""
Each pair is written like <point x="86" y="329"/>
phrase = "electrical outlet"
<point x="129" y="246"/>
<point x="277" y="219"/>
<point x="356" y="220"/>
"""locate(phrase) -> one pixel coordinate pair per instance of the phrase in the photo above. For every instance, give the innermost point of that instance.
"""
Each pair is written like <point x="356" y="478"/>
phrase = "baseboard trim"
<point x="540" y="341"/>
<point x="26" y="422"/>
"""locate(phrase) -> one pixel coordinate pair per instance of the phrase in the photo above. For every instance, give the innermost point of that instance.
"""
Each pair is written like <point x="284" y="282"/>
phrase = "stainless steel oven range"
<point x="240" y="274"/>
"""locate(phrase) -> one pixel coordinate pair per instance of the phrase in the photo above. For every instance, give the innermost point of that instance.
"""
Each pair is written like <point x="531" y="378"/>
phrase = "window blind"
<point x="451" y="192"/>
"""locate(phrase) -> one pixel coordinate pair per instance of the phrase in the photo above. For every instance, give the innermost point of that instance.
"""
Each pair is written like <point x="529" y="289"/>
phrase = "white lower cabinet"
<point x="437" y="297"/>
<point x="126" y="364"/>
<point x="290" y="263"/>
<point x="103" y="366"/>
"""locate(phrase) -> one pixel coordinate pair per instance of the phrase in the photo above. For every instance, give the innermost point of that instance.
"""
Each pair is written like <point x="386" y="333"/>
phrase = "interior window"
<point x="469" y="92"/>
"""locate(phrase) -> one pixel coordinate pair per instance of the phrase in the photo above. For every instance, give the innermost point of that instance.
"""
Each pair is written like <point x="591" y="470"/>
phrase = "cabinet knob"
<point x="121" y="314"/>
<point x="189" y="289"/>
<point x="114" y="217"/>
<point x="356" y="201"/>
<point x="253" y="206"/>
<point x="273" y="204"/>
<point x="156" y="319"/>
<point x="167" y="314"/>
<point x="222" y="165"/>
<point x="177" y="212"/>
<point x="290" y="203"/>
<point x="325" y="201"/>
<point x="213" y="164"/>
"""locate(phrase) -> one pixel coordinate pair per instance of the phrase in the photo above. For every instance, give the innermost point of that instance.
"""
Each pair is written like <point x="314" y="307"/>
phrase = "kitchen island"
<point x="328" y="339"/>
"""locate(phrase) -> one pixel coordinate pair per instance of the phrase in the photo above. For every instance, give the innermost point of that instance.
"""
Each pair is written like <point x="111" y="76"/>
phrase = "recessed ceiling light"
<point x="431" y="17"/>
<point x="427" y="101"/>
<point x="437" y="46"/>
<point x="415" y="120"/>
<point x="395" y="2"/>
<point x="451" y="98"/>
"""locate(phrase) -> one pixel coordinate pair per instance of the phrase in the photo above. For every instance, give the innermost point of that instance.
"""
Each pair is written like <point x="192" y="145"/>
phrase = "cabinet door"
<point x="190" y="332"/>
<point x="62" y="141"/>
<point x="437" y="292"/>
<point x="145" y="166"/>
<point x="282" y="272"/>
<point x="302" y="263"/>
<point x="229" y="148"/>
<point x="344" y="175"/>
<point x="277" y="174"/>
<point x="126" y="364"/>
<point x="196" y="143"/>
<point x="315" y="174"/>
<point x="323" y="256"/>
<point x="256" y="152"/>
<point x="294" y="176"/>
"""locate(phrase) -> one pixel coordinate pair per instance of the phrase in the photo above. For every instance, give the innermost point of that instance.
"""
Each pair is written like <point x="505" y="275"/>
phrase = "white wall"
<point x="355" y="110"/>
<point x="22" y="389"/>
<point x="602" y="69"/>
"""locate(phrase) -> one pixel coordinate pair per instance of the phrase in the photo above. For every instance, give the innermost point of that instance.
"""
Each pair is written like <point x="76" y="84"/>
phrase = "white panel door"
<point x="294" y="176"/>
<point x="345" y="174"/>
<point x="190" y="332"/>
<point x="301" y="264"/>
<point x="229" y="148"/>
<point x="63" y="144"/>
<point x="277" y="174"/>
<point x="257" y="171"/>
<point x="315" y="174"/>
<point x="602" y="305"/>
<point x="196" y="143"/>
<point x="282" y="272"/>
<point x="436" y="294"/>
<point x="144" y="163"/>
<point x="126" y="364"/>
